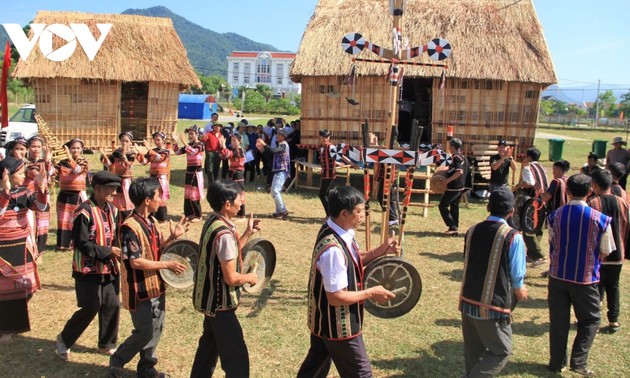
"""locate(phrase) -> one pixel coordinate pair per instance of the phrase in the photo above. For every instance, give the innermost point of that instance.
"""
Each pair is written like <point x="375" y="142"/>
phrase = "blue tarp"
<point x="192" y="106"/>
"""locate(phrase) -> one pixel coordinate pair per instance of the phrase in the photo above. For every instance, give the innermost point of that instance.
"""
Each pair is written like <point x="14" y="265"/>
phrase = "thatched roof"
<point x="137" y="48"/>
<point x="491" y="39"/>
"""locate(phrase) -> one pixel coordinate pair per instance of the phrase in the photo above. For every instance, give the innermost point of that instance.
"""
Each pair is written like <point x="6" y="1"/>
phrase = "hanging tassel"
<point x="443" y="79"/>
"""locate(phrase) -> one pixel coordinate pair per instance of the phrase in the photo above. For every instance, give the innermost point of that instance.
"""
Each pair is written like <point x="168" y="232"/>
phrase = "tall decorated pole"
<point x="393" y="272"/>
<point x="437" y="49"/>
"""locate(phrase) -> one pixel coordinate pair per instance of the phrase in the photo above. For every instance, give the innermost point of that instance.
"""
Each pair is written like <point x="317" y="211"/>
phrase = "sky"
<point x="588" y="40"/>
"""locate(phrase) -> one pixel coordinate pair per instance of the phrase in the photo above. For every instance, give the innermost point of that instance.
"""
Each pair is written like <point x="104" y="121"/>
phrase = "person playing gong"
<point x="335" y="294"/>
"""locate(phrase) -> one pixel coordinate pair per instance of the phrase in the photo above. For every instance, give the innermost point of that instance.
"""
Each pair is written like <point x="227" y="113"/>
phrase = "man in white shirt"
<point x="336" y="294"/>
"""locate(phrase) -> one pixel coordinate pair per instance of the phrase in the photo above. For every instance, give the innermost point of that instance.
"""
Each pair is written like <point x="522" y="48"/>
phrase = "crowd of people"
<point x="116" y="246"/>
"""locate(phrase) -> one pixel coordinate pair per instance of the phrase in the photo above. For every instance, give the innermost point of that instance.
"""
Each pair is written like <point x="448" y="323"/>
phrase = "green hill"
<point x="207" y="50"/>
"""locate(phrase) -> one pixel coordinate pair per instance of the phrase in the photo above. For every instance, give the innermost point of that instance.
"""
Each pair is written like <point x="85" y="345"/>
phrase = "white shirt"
<point x="527" y="176"/>
<point x="332" y="263"/>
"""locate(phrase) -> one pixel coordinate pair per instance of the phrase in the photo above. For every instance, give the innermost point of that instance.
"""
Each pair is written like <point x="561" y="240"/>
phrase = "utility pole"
<point x="597" y="106"/>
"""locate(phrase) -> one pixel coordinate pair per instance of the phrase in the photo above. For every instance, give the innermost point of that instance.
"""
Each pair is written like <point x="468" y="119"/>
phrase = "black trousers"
<point x="449" y="208"/>
<point x="609" y="285"/>
<point x="95" y="298"/>
<point x="222" y="338"/>
<point x="161" y="214"/>
<point x="349" y="356"/>
<point x="211" y="166"/>
<point x="585" y="301"/>
<point x="324" y="188"/>
<point x="239" y="178"/>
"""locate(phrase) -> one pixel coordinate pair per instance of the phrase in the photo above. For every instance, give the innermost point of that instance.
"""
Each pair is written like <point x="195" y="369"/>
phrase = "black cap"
<point x="10" y="164"/>
<point x="502" y="143"/>
<point x="456" y="142"/>
<point x="194" y="128"/>
<point x="106" y="178"/>
<point x="501" y="201"/>
<point x="324" y="133"/>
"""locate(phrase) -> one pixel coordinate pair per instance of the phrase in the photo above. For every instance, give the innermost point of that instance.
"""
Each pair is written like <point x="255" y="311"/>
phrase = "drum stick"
<point x="399" y="290"/>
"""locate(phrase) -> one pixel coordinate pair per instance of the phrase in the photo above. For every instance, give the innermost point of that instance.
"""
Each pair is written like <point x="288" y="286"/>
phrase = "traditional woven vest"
<point x="617" y="209"/>
<point x="211" y="293"/>
<point x="486" y="281"/>
<point x="69" y="180"/>
<point x="327" y="163"/>
<point x="560" y="196"/>
<point x="82" y="263"/>
<point x="540" y="175"/>
<point x="324" y="320"/>
<point x="141" y="285"/>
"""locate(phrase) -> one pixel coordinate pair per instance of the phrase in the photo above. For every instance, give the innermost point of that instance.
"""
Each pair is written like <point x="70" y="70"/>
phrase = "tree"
<point x="546" y="107"/>
<point x="624" y="105"/>
<point x="265" y="91"/>
<point x="607" y="101"/>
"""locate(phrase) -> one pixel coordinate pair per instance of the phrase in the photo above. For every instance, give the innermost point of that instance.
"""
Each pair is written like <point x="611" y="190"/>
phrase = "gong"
<point x="397" y="276"/>
<point x="184" y="251"/>
<point x="528" y="223"/>
<point x="259" y="256"/>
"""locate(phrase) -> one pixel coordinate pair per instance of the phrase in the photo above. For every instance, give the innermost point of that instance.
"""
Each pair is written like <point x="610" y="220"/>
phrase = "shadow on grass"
<point x="529" y="327"/>
<point x="55" y="287"/>
<point x="449" y="258"/>
<point x="263" y="298"/>
<point x="428" y="363"/>
<point x="455" y="323"/>
<point x="28" y="356"/>
<point x="454" y="275"/>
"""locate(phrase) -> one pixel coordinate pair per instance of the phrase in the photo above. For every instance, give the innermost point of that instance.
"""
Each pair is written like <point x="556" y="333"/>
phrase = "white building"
<point x="262" y="67"/>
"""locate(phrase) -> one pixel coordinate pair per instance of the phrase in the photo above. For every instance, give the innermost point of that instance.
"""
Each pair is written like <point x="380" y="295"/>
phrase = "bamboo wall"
<point x="479" y="110"/>
<point x="90" y="109"/>
<point x="79" y="108"/>
<point x="162" y="111"/>
<point x="486" y="110"/>
<point x="324" y="106"/>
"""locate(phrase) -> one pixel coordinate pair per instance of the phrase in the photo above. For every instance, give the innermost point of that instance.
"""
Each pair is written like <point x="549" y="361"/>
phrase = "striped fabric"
<point x="574" y="248"/>
<point x="102" y="232"/>
<point x="617" y="209"/>
<point x="324" y="320"/>
<point x="327" y="162"/>
<point x="72" y="175"/>
<point x="558" y="191"/>
<point x="121" y="198"/>
<point x="194" y="153"/>
<point x="236" y="158"/>
<point x="211" y="293"/>
<point x="159" y="161"/>
<point x="67" y="203"/>
<point x="139" y="285"/>
<point x="18" y="250"/>
<point x="540" y="175"/>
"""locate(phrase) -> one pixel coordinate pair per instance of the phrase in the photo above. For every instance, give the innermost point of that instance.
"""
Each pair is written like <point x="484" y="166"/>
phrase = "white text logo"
<point x="44" y="34"/>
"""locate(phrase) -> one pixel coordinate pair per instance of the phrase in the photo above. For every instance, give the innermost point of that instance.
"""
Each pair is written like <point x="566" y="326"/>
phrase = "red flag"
<point x="4" y="106"/>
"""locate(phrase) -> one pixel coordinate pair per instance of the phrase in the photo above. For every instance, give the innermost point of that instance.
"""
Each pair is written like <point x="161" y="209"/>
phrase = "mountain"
<point x="580" y="94"/>
<point x="207" y="50"/>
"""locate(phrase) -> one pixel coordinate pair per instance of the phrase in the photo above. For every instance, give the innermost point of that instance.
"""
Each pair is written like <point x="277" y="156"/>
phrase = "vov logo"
<point x="44" y="34"/>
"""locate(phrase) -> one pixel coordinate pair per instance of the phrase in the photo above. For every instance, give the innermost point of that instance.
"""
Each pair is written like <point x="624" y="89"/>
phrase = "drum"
<point x="259" y="256"/>
<point x="184" y="251"/>
<point x="438" y="182"/>
<point x="397" y="276"/>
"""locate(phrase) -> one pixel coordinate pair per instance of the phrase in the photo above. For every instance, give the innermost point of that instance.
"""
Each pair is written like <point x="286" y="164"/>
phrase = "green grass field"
<point x="426" y="342"/>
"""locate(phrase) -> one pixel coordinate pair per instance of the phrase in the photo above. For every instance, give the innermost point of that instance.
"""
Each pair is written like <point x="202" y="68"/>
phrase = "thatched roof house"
<point x="132" y="84"/>
<point x="499" y="65"/>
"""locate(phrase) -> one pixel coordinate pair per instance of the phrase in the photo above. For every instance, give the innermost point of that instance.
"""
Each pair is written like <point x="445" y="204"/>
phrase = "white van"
<point x="21" y="124"/>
